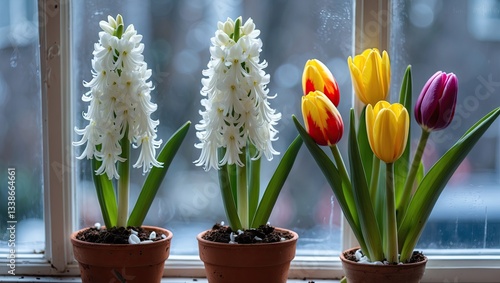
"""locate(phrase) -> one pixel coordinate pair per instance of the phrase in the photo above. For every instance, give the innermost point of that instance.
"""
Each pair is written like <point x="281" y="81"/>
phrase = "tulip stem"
<point x="374" y="179"/>
<point x="340" y="162"/>
<point x="392" y="232"/>
<point x="410" y="180"/>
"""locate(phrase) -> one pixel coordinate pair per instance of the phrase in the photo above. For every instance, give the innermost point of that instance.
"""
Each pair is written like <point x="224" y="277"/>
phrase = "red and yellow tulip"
<point x="322" y="119"/>
<point x="317" y="76"/>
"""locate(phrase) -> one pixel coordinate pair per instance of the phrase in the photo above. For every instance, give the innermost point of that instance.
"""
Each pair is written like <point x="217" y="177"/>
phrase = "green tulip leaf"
<point x="365" y="150"/>
<point x="341" y="189"/>
<point x="366" y="214"/>
<point x="402" y="165"/>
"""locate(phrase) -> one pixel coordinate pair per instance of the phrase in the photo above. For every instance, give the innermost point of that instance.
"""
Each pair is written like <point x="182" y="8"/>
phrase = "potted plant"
<point x="386" y="209"/>
<point x="119" y="117"/>
<point x="236" y="130"/>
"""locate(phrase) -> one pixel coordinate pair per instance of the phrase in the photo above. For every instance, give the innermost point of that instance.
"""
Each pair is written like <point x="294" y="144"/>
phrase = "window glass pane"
<point x="21" y="129"/>
<point x="460" y="37"/>
<point x="177" y="39"/>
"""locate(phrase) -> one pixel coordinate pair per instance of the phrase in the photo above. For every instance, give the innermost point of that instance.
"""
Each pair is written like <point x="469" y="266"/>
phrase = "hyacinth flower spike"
<point x="119" y="118"/>
<point x="238" y="124"/>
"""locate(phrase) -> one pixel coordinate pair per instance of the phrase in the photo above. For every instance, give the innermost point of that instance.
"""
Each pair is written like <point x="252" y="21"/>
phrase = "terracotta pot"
<point x="108" y="263"/>
<point x="247" y="263"/>
<point x="369" y="273"/>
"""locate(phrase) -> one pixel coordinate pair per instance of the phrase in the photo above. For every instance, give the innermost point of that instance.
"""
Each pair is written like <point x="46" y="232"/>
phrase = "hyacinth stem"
<point x="123" y="181"/>
<point x="242" y="192"/>
<point x="391" y="238"/>
<point x="253" y="173"/>
<point x="410" y="180"/>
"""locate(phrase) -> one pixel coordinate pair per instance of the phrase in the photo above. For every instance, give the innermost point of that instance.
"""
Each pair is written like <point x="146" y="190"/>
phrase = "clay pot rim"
<point x="342" y="258"/>
<point x="218" y="244"/>
<point x="168" y="233"/>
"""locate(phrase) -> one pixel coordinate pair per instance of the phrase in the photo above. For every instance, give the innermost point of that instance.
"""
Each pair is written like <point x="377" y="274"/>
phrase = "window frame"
<point x="59" y="162"/>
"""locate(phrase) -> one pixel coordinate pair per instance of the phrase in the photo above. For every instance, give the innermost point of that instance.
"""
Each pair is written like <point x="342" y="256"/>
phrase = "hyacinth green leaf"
<point x="105" y="195"/>
<point x="366" y="214"/>
<point x="433" y="183"/>
<point x="156" y="176"/>
<point x="276" y="183"/>
<point x="341" y="188"/>
<point x="402" y="165"/>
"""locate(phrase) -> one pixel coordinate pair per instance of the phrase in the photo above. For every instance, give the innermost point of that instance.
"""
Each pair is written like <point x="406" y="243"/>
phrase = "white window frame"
<point x="59" y="164"/>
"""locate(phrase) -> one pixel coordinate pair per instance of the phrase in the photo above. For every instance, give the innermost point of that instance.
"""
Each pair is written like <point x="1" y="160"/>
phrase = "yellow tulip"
<point x="371" y="75"/>
<point x="387" y="127"/>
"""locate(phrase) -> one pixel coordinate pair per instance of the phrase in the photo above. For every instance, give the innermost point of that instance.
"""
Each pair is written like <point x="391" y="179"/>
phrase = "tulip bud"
<point x="435" y="106"/>
<point x="317" y="76"/>
<point x="387" y="128"/>
<point x="370" y="75"/>
<point x="322" y="119"/>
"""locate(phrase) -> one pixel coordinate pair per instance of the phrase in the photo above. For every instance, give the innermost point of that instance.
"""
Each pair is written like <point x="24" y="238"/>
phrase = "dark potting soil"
<point x="114" y="235"/>
<point x="416" y="256"/>
<point x="263" y="234"/>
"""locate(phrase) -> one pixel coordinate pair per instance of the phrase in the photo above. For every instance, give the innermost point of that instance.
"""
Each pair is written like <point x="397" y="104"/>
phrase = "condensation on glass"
<point x="21" y="129"/>
<point x="177" y="40"/>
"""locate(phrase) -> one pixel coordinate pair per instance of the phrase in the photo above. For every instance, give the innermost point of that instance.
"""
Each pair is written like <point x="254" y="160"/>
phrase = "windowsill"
<point x="45" y="279"/>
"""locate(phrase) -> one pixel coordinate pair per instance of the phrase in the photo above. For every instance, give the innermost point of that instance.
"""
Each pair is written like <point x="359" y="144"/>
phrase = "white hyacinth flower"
<point x="119" y="100"/>
<point x="237" y="110"/>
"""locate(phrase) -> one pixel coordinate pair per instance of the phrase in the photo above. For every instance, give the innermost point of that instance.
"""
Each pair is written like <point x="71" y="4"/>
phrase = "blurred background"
<point x="454" y="36"/>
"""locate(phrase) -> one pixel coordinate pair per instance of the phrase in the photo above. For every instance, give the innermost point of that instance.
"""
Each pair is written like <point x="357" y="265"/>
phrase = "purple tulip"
<point x="436" y="104"/>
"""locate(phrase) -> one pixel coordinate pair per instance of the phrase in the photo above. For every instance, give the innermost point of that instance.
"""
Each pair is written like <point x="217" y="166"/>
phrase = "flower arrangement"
<point x="387" y="211"/>
<point x="237" y="126"/>
<point x="119" y="117"/>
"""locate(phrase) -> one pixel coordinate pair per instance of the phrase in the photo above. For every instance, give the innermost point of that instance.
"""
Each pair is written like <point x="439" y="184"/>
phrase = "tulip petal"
<point x="357" y="80"/>
<point x="447" y="102"/>
<point x="385" y="135"/>
<point x="370" y="120"/>
<point x="403" y="125"/>
<point x="371" y="78"/>
<point x="311" y="79"/>
<point x="386" y="73"/>
<point x="429" y="106"/>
